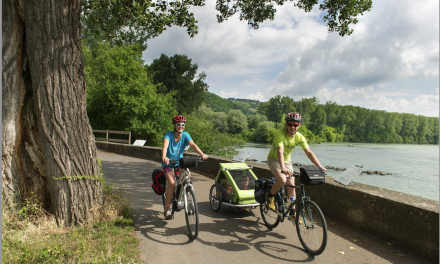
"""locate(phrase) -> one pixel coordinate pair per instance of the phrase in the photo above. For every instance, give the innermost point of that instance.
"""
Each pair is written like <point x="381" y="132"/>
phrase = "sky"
<point x="390" y="62"/>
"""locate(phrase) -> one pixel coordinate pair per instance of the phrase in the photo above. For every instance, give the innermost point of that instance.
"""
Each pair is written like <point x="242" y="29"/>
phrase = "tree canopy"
<point x="176" y="75"/>
<point x="340" y="14"/>
<point x="128" y="22"/>
<point x="332" y="122"/>
<point x="121" y="95"/>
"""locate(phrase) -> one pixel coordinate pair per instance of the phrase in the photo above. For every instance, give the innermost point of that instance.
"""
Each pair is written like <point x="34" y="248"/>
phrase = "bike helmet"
<point x="293" y="117"/>
<point x="179" y="118"/>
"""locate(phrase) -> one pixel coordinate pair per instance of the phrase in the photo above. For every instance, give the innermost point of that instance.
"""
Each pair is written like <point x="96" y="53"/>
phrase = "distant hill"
<point x="219" y="104"/>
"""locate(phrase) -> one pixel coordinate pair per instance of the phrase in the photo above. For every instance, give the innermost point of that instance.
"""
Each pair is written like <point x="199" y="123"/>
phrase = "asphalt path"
<point x="230" y="236"/>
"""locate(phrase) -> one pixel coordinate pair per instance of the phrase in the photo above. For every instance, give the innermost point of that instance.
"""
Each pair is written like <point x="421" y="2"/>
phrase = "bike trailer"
<point x="234" y="186"/>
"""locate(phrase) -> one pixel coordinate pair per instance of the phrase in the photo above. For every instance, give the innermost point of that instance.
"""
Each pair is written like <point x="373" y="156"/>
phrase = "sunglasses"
<point x="292" y="125"/>
<point x="180" y="125"/>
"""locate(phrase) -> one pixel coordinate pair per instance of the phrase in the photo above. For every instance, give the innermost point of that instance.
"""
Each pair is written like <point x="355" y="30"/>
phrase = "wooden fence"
<point x="107" y="139"/>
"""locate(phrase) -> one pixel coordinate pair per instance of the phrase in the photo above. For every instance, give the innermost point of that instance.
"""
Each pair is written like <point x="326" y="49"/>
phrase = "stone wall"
<point x="402" y="219"/>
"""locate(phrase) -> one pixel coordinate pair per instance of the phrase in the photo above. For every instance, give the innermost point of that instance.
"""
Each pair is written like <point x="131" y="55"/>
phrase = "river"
<point x="414" y="168"/>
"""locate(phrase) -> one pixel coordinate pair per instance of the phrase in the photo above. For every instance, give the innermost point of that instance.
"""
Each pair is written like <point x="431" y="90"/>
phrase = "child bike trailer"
<point x="234" y="186"/>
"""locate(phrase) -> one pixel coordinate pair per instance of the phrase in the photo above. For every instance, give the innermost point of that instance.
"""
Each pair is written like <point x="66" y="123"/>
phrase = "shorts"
<point x="274" y="165"/>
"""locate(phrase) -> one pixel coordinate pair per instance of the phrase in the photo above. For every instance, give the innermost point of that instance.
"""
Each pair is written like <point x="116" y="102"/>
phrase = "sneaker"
<point x="270" y="201"/>
<point x="168" y="214"/>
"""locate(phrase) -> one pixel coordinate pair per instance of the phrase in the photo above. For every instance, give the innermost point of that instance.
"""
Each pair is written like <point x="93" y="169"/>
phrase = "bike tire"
<point x="191" y="213"/>
<point x="215" y="198"/>
<point x="270" y="218"/>
<point x="312" y="232"/>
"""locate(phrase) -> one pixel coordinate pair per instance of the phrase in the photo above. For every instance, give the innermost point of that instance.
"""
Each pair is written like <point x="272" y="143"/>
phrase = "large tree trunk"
<point x="48" y="145"/>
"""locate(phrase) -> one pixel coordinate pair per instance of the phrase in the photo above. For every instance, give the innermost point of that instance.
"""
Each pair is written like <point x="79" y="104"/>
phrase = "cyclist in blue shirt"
<point x="174" y="143"/>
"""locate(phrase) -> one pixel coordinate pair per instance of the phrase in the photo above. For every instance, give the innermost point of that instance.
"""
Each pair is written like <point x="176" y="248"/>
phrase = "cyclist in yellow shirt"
<point x="278" y="159"/>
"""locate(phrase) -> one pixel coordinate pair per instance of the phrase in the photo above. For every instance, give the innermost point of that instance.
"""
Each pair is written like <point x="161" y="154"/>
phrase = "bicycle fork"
<point x="183" y="198"/>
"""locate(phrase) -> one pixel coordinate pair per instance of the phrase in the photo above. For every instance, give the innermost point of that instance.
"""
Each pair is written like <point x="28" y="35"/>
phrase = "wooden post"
<point x="106" y="136"/>
<point x="129" y="138"/>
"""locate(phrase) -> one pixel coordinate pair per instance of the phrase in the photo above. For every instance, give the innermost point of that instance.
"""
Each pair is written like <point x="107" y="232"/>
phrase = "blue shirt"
<point x="175" y="149"/>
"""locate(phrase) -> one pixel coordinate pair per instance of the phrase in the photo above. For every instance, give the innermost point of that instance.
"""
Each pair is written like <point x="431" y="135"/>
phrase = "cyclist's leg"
<point x="181" y="171"/>
<point x="275" y="168"/>
<point x="169" y="175"/>
<point x="291" y="181"/>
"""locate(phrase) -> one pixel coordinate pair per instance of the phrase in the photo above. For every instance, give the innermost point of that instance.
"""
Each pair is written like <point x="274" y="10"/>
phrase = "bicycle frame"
<point x="184" y="181"/>
<point x="283" y="212"/>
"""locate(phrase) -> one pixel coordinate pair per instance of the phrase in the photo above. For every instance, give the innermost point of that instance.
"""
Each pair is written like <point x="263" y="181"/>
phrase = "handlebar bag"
<point x="311" y="175"/>
<point x="188" y="162"/>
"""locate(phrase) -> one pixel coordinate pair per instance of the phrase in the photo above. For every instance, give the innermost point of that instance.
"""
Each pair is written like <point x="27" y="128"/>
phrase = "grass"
<point x="31" y="235"/>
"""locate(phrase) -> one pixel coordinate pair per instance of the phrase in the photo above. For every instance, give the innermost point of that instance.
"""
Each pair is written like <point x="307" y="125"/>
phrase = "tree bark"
<point x="47" y="138"/>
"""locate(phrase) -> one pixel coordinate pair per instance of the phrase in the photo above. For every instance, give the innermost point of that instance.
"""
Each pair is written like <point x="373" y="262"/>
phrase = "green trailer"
<point x="234" y="186"/>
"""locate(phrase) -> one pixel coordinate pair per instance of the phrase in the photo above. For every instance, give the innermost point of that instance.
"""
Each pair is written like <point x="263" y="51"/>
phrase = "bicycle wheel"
<point x="270" y="218"/>
<point x="191" y="213"/>
<point x="215" y="198"/>
<point x="312" y="232"/>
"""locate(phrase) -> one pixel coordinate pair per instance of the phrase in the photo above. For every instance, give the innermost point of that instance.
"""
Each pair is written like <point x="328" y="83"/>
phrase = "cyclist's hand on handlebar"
<point x="166" y="160"/>
<point x="286" y="171"/>
<point x="204" y="157"/>
<point x="324" y="169"/>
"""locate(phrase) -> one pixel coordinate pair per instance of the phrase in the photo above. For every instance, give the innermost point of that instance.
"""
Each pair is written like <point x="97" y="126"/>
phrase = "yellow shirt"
<point x="282" y="139"/>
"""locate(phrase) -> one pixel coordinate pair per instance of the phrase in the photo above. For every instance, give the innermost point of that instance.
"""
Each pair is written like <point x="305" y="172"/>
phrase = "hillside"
<point x="219" y="104"/>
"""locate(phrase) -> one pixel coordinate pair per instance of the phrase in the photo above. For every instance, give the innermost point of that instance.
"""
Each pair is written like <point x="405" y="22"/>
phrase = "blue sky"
<point x="390" y="62"/>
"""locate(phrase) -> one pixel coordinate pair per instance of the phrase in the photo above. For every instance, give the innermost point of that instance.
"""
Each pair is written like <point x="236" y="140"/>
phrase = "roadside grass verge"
<point x="31" y="235"/>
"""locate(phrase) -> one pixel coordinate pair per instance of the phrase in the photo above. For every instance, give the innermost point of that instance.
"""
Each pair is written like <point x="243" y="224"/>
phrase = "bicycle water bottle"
<point x="290" y="201"/>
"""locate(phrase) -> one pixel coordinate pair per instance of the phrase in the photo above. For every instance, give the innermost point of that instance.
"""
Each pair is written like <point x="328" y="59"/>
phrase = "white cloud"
<point x="425" y="104"/>
<point x="390" y="61"/>
<point x="257" y="96"/>
<point x="228" y="94"/>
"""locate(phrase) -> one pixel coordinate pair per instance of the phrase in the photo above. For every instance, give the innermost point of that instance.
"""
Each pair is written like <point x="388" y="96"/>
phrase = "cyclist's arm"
<point x="166" y="142"/>
<point x="196" y="149"/>
<point x="280" y="155"/>
<point x="313" y="158"/>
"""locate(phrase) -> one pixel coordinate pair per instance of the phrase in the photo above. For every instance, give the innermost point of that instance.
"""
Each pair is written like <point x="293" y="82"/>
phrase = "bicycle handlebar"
<point x="198" y="158"/>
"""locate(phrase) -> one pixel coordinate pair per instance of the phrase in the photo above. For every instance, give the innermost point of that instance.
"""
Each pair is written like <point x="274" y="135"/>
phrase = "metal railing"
<point x="107" y="139"/>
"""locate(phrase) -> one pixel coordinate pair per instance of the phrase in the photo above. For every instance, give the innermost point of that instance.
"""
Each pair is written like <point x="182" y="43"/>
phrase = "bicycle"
<point x="309" y="221"/>
<point x="184" y="197"/>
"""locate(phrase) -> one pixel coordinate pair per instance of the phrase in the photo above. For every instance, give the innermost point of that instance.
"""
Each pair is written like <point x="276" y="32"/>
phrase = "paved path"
<point x="228" y="236"/>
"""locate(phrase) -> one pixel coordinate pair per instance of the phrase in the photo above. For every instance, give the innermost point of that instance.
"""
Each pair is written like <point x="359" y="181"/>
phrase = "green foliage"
<point x="220" y="121"/>
<point x="331" y="135"/>
<point x="218" y="104"/>
<point x="247" y="103"/>
<point x="276" y="108"/>
<point x="121" y="95"/>
<point x="253" y="121"/>
<point x="247" y="134"/>
<point x="335" y="123"/>
<point x="340" y="14"/>
<point x="237" y="122"/>
<point x="209" y="139"/>
<point x="134" y="22"/>
<point x="264" y="132"/>
<point x="176" y="75"/>
<point x="308" y="134"/>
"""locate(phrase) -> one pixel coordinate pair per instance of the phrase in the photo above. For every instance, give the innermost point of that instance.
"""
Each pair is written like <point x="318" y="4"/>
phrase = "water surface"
<point x="414" y="168"/>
